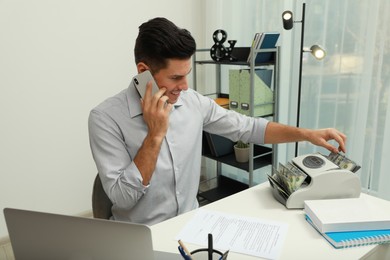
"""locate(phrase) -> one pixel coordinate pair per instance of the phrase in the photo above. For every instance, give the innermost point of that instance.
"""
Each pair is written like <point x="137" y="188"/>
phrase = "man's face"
<point x="174" y="78"/>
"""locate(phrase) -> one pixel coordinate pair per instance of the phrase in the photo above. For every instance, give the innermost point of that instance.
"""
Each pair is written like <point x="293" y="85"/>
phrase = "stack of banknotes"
<point x="343" y="162"/>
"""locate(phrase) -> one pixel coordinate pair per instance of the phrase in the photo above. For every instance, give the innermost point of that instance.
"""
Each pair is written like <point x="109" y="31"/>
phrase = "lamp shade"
<point x="288" y="21"/>
<point x="318" y="52"/>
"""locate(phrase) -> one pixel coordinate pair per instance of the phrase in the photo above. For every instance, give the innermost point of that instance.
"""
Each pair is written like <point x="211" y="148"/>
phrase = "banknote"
<point x="276" y="184"/>
<point x="291" y="176"/>
<point x="343" y="162"/>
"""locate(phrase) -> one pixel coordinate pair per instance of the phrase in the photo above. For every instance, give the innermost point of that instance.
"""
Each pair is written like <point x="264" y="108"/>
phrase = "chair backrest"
<point x="101" y="204"/>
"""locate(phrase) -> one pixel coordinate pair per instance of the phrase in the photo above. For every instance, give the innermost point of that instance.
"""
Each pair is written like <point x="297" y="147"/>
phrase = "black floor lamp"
<point x="317" y="51"/>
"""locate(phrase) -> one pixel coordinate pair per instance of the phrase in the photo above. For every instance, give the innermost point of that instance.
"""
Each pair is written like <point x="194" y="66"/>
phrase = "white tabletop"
<point x="302" y="241"/>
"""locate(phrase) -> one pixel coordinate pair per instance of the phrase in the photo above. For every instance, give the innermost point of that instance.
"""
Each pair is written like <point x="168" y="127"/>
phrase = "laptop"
<point x="41" y="236"/>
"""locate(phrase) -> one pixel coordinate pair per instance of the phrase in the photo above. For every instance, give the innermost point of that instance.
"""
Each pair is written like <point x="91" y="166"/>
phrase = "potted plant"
<point x="241" y="151"/>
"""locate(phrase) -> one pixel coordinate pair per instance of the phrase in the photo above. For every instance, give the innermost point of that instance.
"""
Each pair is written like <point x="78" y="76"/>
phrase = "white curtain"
<point x="348" y="90"/>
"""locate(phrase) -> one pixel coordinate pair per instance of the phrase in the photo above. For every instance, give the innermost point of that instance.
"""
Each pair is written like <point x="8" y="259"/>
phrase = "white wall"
<point x="59" y="59"/>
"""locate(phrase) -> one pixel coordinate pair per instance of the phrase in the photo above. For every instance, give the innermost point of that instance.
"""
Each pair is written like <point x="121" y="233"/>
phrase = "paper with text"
<point x="252" y="236"/>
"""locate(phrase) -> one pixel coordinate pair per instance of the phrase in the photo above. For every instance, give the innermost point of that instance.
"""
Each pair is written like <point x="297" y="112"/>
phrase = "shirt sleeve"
<point x="120" y="177"/>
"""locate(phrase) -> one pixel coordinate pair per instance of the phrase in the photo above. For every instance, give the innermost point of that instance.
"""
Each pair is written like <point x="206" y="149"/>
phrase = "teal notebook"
<point x="355" y="238"/>
<point x="267" y="41"/>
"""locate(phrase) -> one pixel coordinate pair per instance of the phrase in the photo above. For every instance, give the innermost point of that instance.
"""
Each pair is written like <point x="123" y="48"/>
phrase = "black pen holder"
<point x="203" y="254"/>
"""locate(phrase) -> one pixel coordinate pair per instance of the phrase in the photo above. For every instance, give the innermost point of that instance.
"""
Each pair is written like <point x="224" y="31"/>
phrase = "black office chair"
<point x="101" y="204"/>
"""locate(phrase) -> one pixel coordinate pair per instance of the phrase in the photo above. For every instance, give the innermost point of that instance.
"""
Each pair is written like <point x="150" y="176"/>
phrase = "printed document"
<point x="252" y="236"/>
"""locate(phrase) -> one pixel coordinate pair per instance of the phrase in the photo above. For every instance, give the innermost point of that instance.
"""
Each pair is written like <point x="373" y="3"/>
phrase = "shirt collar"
<point x="134" y="102"/>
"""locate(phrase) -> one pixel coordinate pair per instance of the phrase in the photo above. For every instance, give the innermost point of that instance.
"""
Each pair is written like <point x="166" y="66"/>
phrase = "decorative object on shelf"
<point x="218" y="51"/>
<point x="241" y="151"/>
<point x="317" y="51"/>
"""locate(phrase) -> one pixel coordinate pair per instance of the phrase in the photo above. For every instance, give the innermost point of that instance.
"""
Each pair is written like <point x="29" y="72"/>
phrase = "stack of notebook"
<point x="350" y="222"/>
<point x="265" y="40"/>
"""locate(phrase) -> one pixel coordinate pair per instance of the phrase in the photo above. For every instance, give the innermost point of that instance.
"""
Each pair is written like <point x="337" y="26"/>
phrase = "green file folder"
<point x="239" y="92"/>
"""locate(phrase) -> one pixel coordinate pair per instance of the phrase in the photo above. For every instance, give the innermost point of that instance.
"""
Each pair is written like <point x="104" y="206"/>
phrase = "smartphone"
<point x="140" y="81"/>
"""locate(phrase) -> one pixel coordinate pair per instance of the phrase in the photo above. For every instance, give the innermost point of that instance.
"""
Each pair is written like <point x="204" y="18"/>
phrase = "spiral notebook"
<point x="354" y="238"/>
<point x="349" y="214"/>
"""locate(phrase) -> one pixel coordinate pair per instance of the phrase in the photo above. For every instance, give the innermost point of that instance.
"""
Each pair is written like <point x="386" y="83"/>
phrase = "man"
<point x="148" y="152"/>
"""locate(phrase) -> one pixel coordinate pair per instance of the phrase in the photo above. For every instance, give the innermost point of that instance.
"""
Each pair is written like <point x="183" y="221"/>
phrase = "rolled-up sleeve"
<point x="121" y="178"/>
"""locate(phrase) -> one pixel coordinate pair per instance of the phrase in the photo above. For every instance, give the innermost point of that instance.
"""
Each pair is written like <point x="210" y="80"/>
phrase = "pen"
<point x="183" y="254"/>
<point x="185" y="249"/>
<point x="210" y="248"/>
<point x="224" y="256"/>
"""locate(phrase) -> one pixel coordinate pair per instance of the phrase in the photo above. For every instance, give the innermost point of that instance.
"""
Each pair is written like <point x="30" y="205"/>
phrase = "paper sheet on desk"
<point x="252" y="236"/>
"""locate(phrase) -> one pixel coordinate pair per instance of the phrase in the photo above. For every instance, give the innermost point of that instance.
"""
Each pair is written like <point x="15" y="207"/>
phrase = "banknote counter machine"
<point x="315" y="176"/>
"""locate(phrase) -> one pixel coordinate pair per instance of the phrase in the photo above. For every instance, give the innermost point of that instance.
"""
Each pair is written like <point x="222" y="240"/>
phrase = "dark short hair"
<point x="158" y="40"/>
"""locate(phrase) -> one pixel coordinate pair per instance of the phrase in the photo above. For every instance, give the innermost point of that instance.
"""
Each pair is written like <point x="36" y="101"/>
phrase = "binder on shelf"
<point x="265" y="40"/>
<point x="255" y="42"/>
<point x="351" y="214"/>
<point x="218" y="145"/>
<point x="347" y="239"/>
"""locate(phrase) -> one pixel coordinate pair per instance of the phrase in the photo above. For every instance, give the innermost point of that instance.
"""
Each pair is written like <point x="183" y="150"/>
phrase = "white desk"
<point x="302" y="241"/>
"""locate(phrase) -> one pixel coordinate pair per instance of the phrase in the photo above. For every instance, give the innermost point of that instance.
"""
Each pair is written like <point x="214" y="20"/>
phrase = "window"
<point x="348" y="90"/>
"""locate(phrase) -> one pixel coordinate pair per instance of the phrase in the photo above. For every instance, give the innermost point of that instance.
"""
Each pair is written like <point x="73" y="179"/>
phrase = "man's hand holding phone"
<point x="156" y="111"/>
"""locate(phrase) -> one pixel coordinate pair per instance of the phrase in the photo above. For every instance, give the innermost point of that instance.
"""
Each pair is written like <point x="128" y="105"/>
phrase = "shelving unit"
<point x="259" y="156"/>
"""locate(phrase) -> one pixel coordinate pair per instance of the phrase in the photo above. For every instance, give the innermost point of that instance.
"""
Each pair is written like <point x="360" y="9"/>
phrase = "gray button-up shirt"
<point x="117" y="130"/>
